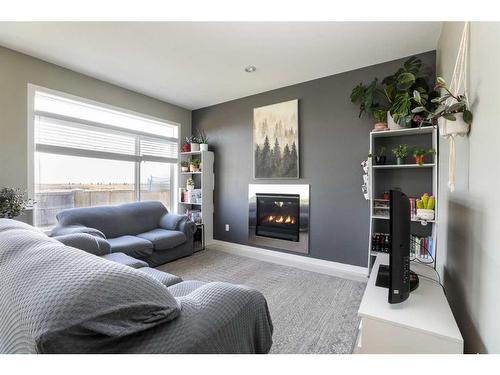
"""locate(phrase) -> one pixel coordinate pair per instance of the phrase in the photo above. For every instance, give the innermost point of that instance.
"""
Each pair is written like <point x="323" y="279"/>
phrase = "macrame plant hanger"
<point x="458" y="85"/>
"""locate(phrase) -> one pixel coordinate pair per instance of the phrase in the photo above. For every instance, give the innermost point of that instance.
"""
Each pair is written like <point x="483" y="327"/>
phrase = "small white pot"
<point x="189" y="187"/>
<point x="425" y="214"/>
<point x="392" y="124"/>
<point x="195" y="147"/>
<point x="203" y="146"/>
<point x="457" y="127"/>
<point x="184" y="169"/>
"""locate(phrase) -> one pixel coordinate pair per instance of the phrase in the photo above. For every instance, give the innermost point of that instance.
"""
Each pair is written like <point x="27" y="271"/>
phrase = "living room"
<point x="263" y="187"/>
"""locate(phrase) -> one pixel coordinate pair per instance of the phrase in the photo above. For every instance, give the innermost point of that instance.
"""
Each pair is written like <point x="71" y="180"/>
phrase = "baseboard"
<point x="305" y="263"/>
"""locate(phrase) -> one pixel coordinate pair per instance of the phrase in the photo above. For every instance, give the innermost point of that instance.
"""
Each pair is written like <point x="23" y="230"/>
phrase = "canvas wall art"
<point x="276" y="140"/>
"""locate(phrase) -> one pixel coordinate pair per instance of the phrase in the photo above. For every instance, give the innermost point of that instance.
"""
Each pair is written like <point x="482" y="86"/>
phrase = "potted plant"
<point x="457" y="113"/>
<point x="194" y="165"/>
<point x="425" y="207"/>
<point x="194" y="143"/>
<point x="419" y="154"/>
<point x="186" y="147"/>
<point x="184" y="166"/>
<point x="380" y="157"/>
<point x="399" y="89"/>
<point x="370" y="98"/>
<point x="203" y="139"/>
<point x="13" y="202"/>
<point x="400" y="152"/>
<point x="189" y="184"/>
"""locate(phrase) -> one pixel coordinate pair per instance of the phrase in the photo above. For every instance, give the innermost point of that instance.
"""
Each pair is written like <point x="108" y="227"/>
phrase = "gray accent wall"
<point x="333" y="142"/>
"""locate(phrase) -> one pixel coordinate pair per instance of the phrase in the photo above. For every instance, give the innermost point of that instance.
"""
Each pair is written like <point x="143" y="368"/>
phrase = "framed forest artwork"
<point x="276" y="140"/>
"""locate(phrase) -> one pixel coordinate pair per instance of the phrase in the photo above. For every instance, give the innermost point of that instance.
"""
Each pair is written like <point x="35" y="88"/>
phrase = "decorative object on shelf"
<point x="364" y="187"/>
<point x="13" y="202"/>
<point x="184" y="166"/>
<point x="386" y="196"/>
<point x="380" y="117"/>
<point x="380" y="157"/>
<point x="203" y="139"/>
<point x="394" y="95"/>
<point x="401" y="153"/>
<point x="194" y="165"/>
<point x="189" y="184"/>
<point x="276" y="140"/>
<point x="193" y="143"/>
<point x="425" y="207"/>
<point x="419" y="154"/>
<point x="186" y="147"/>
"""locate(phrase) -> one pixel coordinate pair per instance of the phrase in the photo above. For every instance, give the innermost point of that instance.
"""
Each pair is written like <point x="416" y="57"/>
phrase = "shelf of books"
<point x="195" y="198"/>
<point x="413" y="179"/>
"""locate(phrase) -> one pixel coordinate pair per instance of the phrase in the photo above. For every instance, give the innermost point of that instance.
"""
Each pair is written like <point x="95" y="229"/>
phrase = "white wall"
<point x="469" y="218"/>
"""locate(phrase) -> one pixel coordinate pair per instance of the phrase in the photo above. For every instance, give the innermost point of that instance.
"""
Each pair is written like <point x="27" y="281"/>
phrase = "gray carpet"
<point x="311" y="312"/>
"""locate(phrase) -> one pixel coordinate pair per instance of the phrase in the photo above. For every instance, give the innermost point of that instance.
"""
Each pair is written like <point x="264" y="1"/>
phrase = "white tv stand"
<point x="423" y="323"/>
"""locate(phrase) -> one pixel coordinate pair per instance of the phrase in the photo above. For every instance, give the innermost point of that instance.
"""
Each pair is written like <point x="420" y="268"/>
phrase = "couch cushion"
<point x="58" y="299"/>
<point x="125" y="260"/>
<point x="164" y="239"/>
<point x="184" y="288"/>
<point x="134" y="246"/>
<point x="118" y="220"/>
<point x="165" y="278"/>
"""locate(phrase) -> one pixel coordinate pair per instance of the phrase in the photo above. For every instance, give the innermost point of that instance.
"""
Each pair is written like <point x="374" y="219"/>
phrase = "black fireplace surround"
<point x="278" y="216"/>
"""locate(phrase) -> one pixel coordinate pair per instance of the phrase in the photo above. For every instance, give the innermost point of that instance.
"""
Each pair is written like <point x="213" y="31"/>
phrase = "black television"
<point x="397" y="276"/>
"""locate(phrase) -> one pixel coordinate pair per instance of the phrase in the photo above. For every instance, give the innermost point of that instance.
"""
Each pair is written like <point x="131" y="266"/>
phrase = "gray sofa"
<point x="143" y="230"/>
<point x="59" y="299"/>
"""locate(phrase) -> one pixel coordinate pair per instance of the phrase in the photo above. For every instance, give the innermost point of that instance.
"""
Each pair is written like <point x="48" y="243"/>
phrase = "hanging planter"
<point x="452" y="128"/>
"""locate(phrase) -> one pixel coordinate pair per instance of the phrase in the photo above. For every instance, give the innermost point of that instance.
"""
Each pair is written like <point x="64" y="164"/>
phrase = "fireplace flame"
<point x="281" y="219"/>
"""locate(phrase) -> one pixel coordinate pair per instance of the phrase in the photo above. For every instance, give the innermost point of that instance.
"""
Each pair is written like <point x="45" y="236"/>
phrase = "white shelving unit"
<point x="204" y="180"/>
<point x="395" y="169"/>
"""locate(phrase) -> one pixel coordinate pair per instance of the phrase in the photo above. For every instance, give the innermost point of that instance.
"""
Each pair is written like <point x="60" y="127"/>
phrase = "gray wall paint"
<point x="469" y="219"/>
<point x="333" y="142"/>
<point x="17" y="70"/>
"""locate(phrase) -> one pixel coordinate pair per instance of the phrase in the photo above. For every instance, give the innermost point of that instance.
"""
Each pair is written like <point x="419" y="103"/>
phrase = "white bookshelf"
<point x="204" y="180"/>
<point x="395" y="171"/>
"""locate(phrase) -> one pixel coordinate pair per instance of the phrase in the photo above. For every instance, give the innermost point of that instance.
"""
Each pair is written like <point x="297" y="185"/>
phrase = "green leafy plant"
<point x="184" y="164"/>
<point x="380" y="115"/>
<point x="192" y="139"/>
<point x="422" y="151"/>
<point x="13" y="202"/>
<point x="202" y="137"/>
<point x="190" y="182"/>
<point x="448" y="111"/>
<point x="370" y="98"/>
<point x="401" y="86"/>
<point x="400" y="151"/>
<point x="380" y="152"/>
<point x="195" y="162"/>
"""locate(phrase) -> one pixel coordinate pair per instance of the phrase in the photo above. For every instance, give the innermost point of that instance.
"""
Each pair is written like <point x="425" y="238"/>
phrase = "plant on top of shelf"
<point x="395" y="95"/>
<point x="203" y="140"/>
<point x="400" y="152"/>
<point x="400" y="87"/>
<point x="371" y="100"/>
<point x="457" y="110"/>
<point x="419" y="154"/>
<point x="193" y="142"/>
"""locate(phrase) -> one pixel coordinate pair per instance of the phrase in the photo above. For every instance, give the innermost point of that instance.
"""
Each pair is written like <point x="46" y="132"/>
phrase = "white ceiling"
<point x="196" y="64"/>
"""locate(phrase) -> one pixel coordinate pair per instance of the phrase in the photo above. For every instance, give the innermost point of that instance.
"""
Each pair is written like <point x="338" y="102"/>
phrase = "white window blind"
<point x="62" y="133"/>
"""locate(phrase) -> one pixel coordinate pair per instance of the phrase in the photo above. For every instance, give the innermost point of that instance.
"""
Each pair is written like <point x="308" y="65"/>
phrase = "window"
<point x="86" y="154"/>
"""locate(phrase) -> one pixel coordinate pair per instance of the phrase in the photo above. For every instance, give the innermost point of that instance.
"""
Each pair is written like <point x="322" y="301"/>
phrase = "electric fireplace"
<point x="279" y="216"/>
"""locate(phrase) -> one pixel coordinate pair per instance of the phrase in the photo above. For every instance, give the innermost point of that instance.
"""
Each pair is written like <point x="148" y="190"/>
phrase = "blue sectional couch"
<point x="142" y="230"/>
